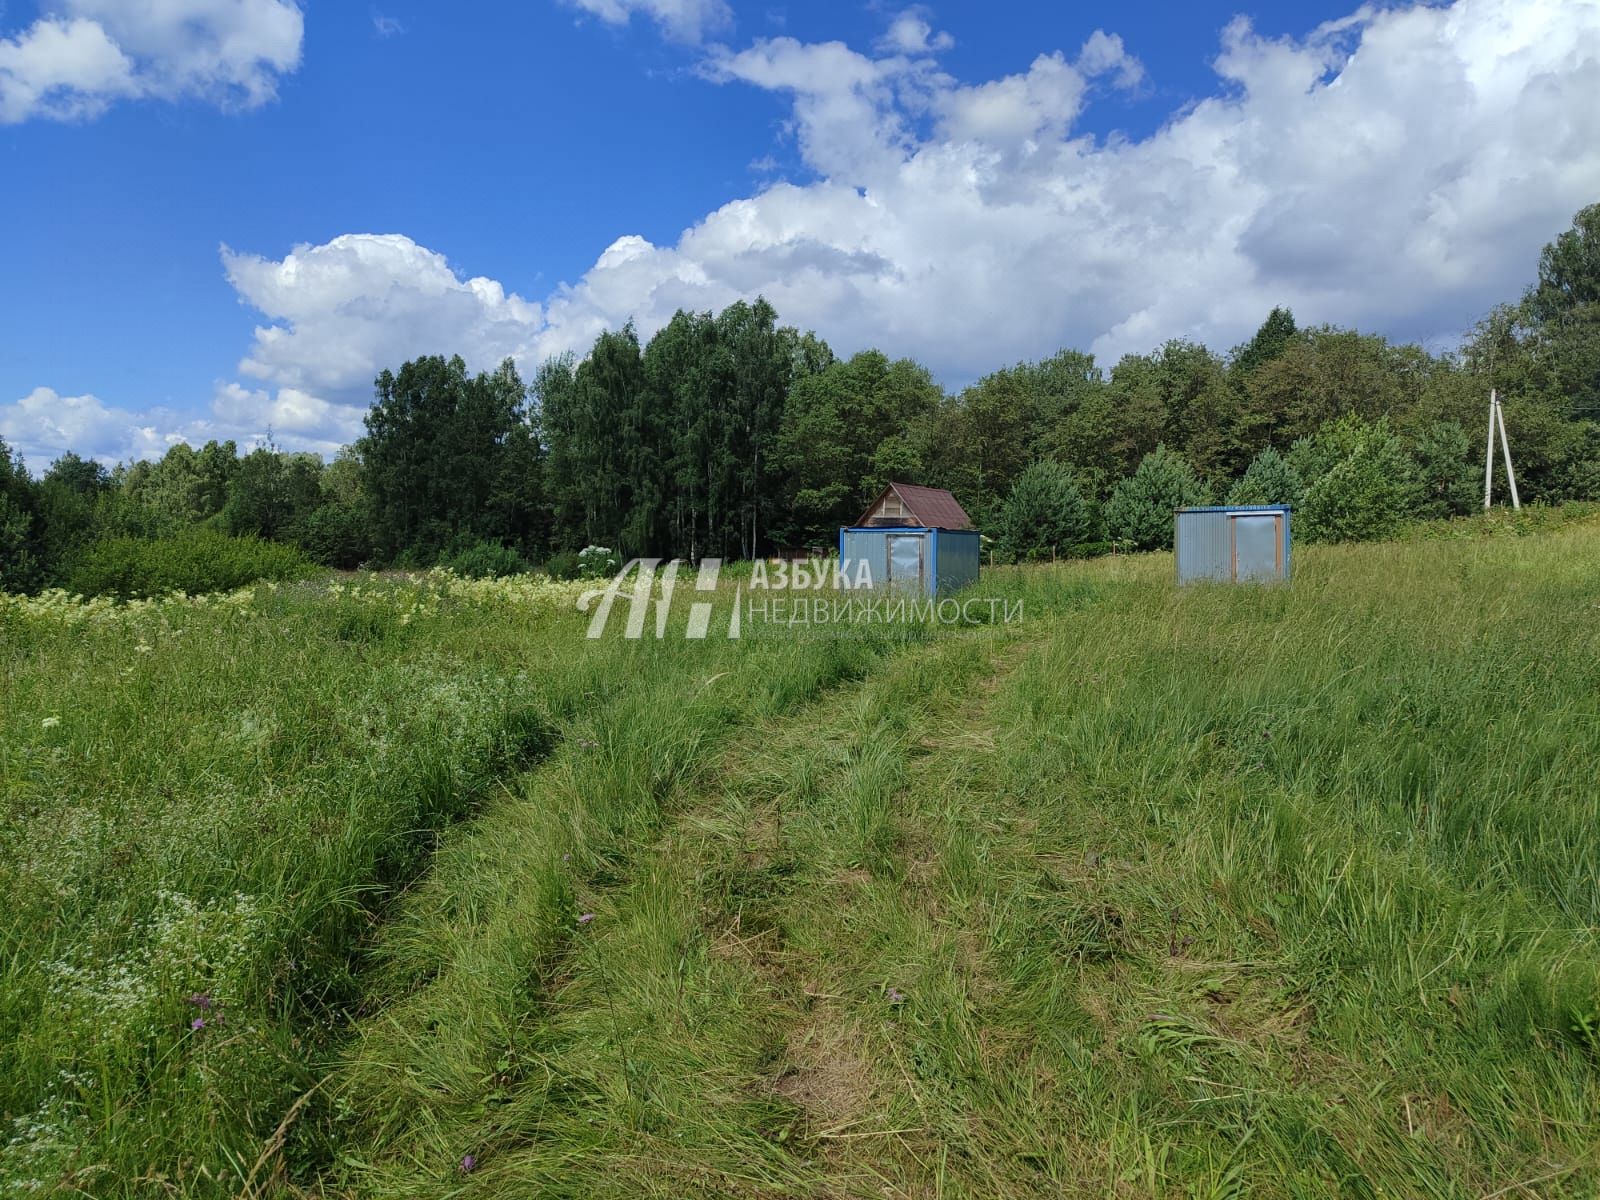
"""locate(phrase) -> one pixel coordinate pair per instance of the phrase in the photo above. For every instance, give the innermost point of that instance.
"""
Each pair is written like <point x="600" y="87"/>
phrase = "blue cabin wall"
<point x="949" y="556"/>
<point x="957" y="558"/>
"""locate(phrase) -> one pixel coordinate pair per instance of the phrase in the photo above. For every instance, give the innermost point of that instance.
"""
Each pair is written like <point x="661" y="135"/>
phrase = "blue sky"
<point x="964" y="183"/>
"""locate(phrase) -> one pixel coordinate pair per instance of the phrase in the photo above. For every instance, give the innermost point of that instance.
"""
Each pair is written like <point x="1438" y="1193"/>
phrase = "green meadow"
<point x="402" y="887"/>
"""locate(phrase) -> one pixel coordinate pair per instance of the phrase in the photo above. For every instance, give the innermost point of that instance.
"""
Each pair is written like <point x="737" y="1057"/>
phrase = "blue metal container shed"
<point x="1234" y="543"/>
<point x="907" y="558"/>
<point x="911" y="539"/>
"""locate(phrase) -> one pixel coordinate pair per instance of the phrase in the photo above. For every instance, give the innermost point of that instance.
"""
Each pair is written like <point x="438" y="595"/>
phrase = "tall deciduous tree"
<point x="435" y="447"/>
<point x="847" y="431"/>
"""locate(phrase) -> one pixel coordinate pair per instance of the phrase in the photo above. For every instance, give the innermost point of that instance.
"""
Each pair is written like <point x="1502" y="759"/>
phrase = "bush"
<point x="1449" y="478"/>
<point x="592" y="562"/>
<point x="1139" y="513"/>
<point x="1361" y="485"/>
<point x="597" y="562"/>
<point x="335" y="535"/>
<point x="1045" y="514"/>
<point x="562" y="565"/>
<point x="484" y="560"/>
<point x="1269" y="479"/>
<point x="194" y="562"/>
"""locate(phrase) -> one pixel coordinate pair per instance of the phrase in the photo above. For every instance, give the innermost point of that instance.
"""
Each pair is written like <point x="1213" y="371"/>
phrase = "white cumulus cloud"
<point x="342" y="311"/>
<point x="1397" y="170"/>
<point x="44" y="425"/>
<point x="681" y="20"/>
<point x="82" y="55"/>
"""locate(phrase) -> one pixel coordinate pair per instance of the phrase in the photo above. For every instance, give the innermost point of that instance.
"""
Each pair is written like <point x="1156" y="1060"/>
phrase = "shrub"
<point x="1269" y="479"/>
<point x="484" y="560"/>
<point x="336" y="535"/>
<point x="197" y="561"/>
<point x="562" y="565"/>
<point x="1139" y="513"/>
<point x="1361" y="486"/>
<point x="19" y="569"/>
<point x="1448" y="478"/>
<point x="597" y="562"/>
<point x="1045" y="514"/>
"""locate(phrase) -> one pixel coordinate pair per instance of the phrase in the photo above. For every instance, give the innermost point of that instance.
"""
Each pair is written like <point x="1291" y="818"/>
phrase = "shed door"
<point x="905" y="561"/>
<point x="1257" y="546"/>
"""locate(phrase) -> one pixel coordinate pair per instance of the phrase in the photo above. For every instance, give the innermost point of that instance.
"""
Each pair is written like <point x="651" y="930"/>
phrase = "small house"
<point x="913" y="539"/>
<point x="1238" y="543"/>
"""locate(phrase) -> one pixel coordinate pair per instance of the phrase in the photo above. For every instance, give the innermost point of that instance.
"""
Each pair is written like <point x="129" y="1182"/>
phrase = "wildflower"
<point x="200" y="1000"/>
<point x="896" y="996"/>
<point x="585" y="918"/>
<point x="468" y="1162"/>
<point x="198" y="1023"/>
<point x="50" y="722"/>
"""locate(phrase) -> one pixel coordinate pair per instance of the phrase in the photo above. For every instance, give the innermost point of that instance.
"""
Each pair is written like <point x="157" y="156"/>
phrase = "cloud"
<point x="386" y="27"/>
<point x="336" y="315"/>
<point x="909" y="33"/>
<point x="341" y="311"/>
<point x="83" y="55"/>
<point x="1398" y="170"/>
<point x="681" y="20"/>
<point x="44" y="425"/>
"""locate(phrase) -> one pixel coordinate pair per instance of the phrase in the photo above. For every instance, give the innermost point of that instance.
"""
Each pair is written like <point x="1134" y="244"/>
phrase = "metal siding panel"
<point x="866" y="544"/>
<point x="1203" y="547"/>
<point x="959" y="554"/>
<point x="1207" y="546"/>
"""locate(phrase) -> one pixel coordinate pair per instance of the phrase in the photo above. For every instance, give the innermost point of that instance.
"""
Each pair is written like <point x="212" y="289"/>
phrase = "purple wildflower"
<point x="198" y="1023"/>
<point x="201" y="1000"/>
<point x="585" y="918"/>
<point x="896" y="996"/>
<point x="468" y="1163"/>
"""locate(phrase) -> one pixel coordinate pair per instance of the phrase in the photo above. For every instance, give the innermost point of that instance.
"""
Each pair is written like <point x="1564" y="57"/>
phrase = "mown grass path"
<point x="695" y="1042"/>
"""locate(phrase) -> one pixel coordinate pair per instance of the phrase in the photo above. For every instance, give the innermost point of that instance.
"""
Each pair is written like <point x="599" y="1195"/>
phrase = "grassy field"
<point x="405" y="889"/>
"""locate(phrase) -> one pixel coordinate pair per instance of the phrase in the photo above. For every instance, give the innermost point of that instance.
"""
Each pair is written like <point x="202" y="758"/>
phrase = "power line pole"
<point x="1497" y="417"/>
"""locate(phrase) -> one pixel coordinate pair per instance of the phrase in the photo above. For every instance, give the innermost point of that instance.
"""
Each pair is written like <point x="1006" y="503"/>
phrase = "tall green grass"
<point x="1215" y="891"/>
<point x="205" y="809"/>
<point x="1160" y="892"/>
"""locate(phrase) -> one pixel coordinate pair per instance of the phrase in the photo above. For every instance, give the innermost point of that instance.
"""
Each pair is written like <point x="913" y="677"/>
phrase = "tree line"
<point x="731" y="434"/>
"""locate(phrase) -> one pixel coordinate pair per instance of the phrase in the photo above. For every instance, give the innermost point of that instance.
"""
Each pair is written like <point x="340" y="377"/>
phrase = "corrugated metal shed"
<point x="1240" y="543"/>
<point x="906" y="504"/>
<point x="910" y="559"/>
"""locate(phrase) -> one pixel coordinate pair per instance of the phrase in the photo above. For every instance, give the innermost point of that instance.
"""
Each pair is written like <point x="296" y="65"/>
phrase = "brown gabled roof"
<point x="933" y="508"/>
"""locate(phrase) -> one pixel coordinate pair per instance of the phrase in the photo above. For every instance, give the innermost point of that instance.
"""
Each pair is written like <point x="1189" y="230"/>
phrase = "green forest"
<point x="731" y="434"/>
